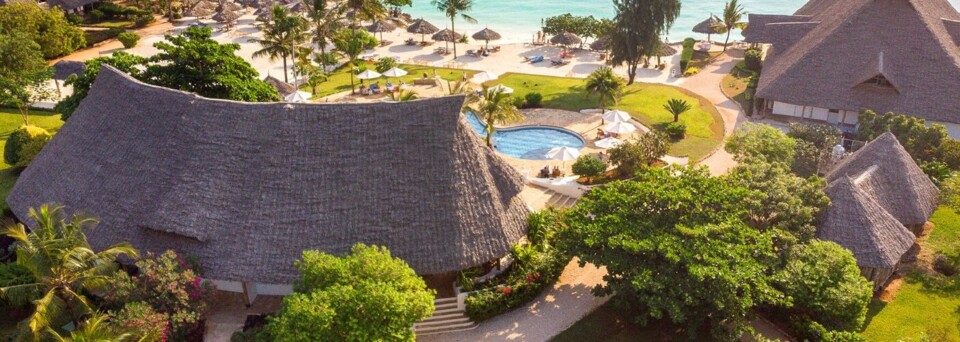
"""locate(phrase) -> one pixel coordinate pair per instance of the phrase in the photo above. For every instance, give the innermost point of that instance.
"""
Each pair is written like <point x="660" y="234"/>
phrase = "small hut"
<point x="422" y="27"/>
<point x="708" y="27"/>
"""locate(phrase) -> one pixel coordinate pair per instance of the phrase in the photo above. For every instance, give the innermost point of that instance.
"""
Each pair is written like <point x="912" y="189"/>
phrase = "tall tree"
<point x="452" y="8"/>
<point x="23" y="73"/>
<point x="496" y="108"/>
<point x="48" y="28"/>
<point x="397" y="4"/>
<point x="367" y="10"/>
<point x="606" y="85"/>
<point x="58" y="255"/>
<point x="637" y="28"/>
<point x="676" y="107"/>
<point x="325" y="22"/>
<point x="732" y="19"/>
<point x="352" y="42"/>
<point x="194" y="62"/>
<point x="281" y="36"/>
<point x="366" y="295"/>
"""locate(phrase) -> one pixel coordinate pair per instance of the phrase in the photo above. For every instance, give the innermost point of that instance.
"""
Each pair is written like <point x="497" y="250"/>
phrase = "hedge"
<point x="687" y="54"/>
<point x="24" y="144"/>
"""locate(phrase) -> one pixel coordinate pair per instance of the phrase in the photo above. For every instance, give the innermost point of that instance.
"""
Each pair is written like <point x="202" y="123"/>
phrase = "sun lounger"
<point x="537" y="59"/>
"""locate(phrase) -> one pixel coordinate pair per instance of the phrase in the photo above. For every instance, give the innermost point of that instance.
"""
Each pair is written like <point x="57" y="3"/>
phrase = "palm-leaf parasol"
<point x="446" y="36"/>
<point x="708" y="26"/>
<point x="565" y="38"/>
<point x="422" y="27"/>
<point x="486" y="35"/>
<point x="602" y="43"/>
<point x="381" y="27"/>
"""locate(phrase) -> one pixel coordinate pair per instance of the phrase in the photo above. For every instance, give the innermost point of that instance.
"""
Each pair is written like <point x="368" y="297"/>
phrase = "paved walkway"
<point x="707" y="84"/>
<point x="552" y="312"/>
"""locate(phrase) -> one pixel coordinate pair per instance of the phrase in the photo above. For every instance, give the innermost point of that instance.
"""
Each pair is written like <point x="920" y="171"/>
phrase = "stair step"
<point x="444" y="329"/>
<point x="555" y="198"/>
<point x="442" y="317"/>
<point x="570" y="202"/>
<point x="445" y="300"/>
<point x="445" y="306"/>
<point x="446" y="322"/>
<point x="446" y="311"/>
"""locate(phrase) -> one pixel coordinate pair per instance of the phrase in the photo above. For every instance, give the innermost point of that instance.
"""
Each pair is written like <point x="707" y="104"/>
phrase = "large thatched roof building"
<point x="246" y="187"/>
<point x="880" y="200"/>
<point x="833" y="58"/>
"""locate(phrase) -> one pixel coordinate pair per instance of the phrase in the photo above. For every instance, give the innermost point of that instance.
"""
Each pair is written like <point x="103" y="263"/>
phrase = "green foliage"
<point x="606" y="85"/>
<point x="589" y="166"/>
<point x="352" y="42"/>
<point x="170" y="286"/>
<point x="814" y="144"/>
<point x="141" y="320"/>
<point x="824" y="283"/>
<point x="920" y="140"/>
<point x="634" y="155"/>
<point x="386" y="63"/>
<point x="48" y="28"/>
<point x="937" y="171"/>
<point x="23" y="72"/>
<point x="330" y="289"/>
<point x="96" y="15"/>
<point x="194" y="62"/>
<point x="809" y="330"/>
<point x="949" y="153"/>
<point x="496" y="108"/>
<point x="752" y="58"/>
<point x="452" y="9"/>
<point x="690" y="71"/>
<point x="280" y="35"/>
<point x="950" y="192"/>
<point x="676" y="130"/>
<point x="13" y="274"/>
<point x="674" y="248"/>
<point x="582" y="26"/>
<point x="533" y="100"/>
<point x="24" y="144"/>
<point x="761" y="141"/>
<point x="732" y="19"/>
<point x="120" y="60"/>
<point x="636" y="30"/>
<point x="129" y="39"/>
<point x="676" y="107"/>
<point x="686" y="54"/>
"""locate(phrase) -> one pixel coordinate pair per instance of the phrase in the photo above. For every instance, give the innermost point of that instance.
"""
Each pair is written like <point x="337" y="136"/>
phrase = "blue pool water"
<point x="519" y="20"/>
<point x="527" y="142"/>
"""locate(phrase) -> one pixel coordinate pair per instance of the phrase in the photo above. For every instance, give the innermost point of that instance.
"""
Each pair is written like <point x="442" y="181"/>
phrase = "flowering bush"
<point x="142" y="321"/>
<point x="170" y="286"/>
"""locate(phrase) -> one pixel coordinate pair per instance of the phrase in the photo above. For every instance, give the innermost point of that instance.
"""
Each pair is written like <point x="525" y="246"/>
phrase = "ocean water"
<point x="519" y="20"/>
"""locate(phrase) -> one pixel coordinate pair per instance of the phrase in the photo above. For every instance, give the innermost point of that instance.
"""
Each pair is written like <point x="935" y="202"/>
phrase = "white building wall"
<point x="813" y="113"/>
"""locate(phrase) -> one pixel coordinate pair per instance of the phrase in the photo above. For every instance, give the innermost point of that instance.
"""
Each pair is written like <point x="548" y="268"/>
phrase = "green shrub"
<point x="691" y="71"/>
<point x="946" y="265"/>
<point x="589" y="166"/>
<point x="13" y="274"/>
<point x="687" y="54"/>
<point x="519" y="102"/>
<point x="752" y="59"/>
<point x="97" y="15"/>
<point x="676" y="130"/>
<point x="534" y="100"/>
<point x="129" y="39"/>
<point x="141" y="320"/>
<point x="75" y="19"/>
<point x="812" y="331"/>
<point x="141" y="19"/>
<point x="24" y="144"/>
<point x="949" y="153"/>
<point x="937" y="171"/>
<point x="385" y="63"/>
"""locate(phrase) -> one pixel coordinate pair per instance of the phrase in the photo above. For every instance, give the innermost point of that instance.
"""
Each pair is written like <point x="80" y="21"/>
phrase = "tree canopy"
<point x="120" y="60"/>
<point x="637" y="28"/>
<point x="366" y="295"/>
<point x="47" y="28"/>
<point x="764" y="141"/>
<point x="23" y="72"/>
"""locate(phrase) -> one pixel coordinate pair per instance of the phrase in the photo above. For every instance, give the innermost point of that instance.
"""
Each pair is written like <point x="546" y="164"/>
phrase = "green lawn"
<point x="339" y="81"/>
<point x="642" y="100"/>
<point x="10" y="120"/>
<point x="922" y="302"/>
<point x="112" y="23"/>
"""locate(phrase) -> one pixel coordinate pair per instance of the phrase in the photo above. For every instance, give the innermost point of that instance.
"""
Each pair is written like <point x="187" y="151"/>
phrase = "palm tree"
<point x="403" y="95"/>
<point x="496" y="108"/>
<point x="281" y="35"/>
<point x="367" y="9"/>
<point x="325" y="23"/>
<point x="676" y="107"/>
<point x="97" y="328"/>
<point x="732" y="19"/>
<point x="352" y="43"/>
<point x="606" y="85"/>
<point x="61" y="260"/>
<point x="451" y="8"/>
<point x="461" y="87"/>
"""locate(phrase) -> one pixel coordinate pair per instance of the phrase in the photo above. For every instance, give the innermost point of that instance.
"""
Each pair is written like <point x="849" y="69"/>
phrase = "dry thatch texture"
<point x="446" y="35"/>
<point x="382" y="26"/>
<point x="601" y="43"/>
<point x="892" y="178"/>
<point x="825" y="55"/>
<point x="421" y="26"/>
<point x="246" y="187"/>
<point x="486" y="34"/>
<point x="857" y="222"/>
<point x="282" y="87"/>
<point x="63" y="69"/>
<point x="565" y="38"/>
<point x="708" y="26"/>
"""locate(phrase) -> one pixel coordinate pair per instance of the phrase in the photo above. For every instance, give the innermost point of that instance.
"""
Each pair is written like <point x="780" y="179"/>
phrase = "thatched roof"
<point x="67" y="5"/>
<point x="893" y="178"/>
<point x="601" y="43"/>
<point x="63" y="69"/>
<point x="282" y="87"/>
<point x="487" y="35"/>
<point x="446" y="35"/>
<point x="565" y="38"/>
<point x="708" y="26"/>
<point x="665" y="49"/>
<point x="246" y="187"/>
<point x="382" y="26"/>
<point x="833" y="54"/>
<point x="857" y="222"/>
<point x="421" y="26"/>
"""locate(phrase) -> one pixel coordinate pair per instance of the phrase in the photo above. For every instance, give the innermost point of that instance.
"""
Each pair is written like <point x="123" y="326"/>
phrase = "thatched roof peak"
<point x="246" y="187"/>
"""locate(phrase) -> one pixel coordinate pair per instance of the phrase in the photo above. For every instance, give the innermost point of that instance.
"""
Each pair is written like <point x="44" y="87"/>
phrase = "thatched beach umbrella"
<point x="601" y="44"/>
<point x="422" y="27"/>
<point x="226" y="16"/>
<point x="297" y="7"/>
<point x="446" y="36"/>
<point x="707" y="27"/>
<point x="565" y="39"/>
<point x="381" y="27"/>
<point x="664" y="50"/>
<point x="201" y="9"/>
<point x="486" y="35"/>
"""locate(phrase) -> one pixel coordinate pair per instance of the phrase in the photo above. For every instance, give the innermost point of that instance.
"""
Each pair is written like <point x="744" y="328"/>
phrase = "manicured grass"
<point x="923" y="303"/>
<point x="10" y="120"/>
<point x="339" y="80"/>
<point x="642" y="100"/>
<point x="113" y="23"/>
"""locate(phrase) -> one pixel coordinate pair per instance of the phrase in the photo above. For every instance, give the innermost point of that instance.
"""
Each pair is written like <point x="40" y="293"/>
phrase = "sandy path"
<point x="707" y="84"/>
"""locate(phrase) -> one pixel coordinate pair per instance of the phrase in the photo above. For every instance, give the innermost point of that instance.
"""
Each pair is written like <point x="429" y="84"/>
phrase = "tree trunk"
<point x="632" y="71"/>
<point x="676" y="117"/>
<point x="727" y="41"/>
<point x="285" y="69"/>
<point x="454" y="30"/>
<point x="352" y="88"/>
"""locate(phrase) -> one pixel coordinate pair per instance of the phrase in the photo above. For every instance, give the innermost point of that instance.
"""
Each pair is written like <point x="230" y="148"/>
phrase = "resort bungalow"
<point x="880" y="200"/>
<point x="247" y="187"/>
<point x="833" y="58"/>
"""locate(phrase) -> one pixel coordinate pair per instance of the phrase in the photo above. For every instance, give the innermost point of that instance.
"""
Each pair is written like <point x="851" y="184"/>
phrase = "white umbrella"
<point x="395" y="72"/>
<point x="620" y="128"/>
<point x="298" y="97"/>
<point x="606" y="143"/>
<point x="484" y="77"/>
<point x="563" y="153"/>
<point x="368" y="75"/>
<point x="616" y="116"/>
<point x="506" y="89"/>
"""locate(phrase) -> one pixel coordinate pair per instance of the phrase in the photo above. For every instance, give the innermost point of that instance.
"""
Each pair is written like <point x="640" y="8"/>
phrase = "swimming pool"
<point x="527" y="142"/>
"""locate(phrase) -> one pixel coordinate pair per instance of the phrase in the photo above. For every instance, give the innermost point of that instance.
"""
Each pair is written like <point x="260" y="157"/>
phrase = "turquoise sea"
<point x="519" y="20"/>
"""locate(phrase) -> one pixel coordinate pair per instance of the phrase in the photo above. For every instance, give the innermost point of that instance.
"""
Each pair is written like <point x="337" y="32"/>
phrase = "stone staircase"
<point x="447" y="317"/>
<point x="544" y="198"/>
